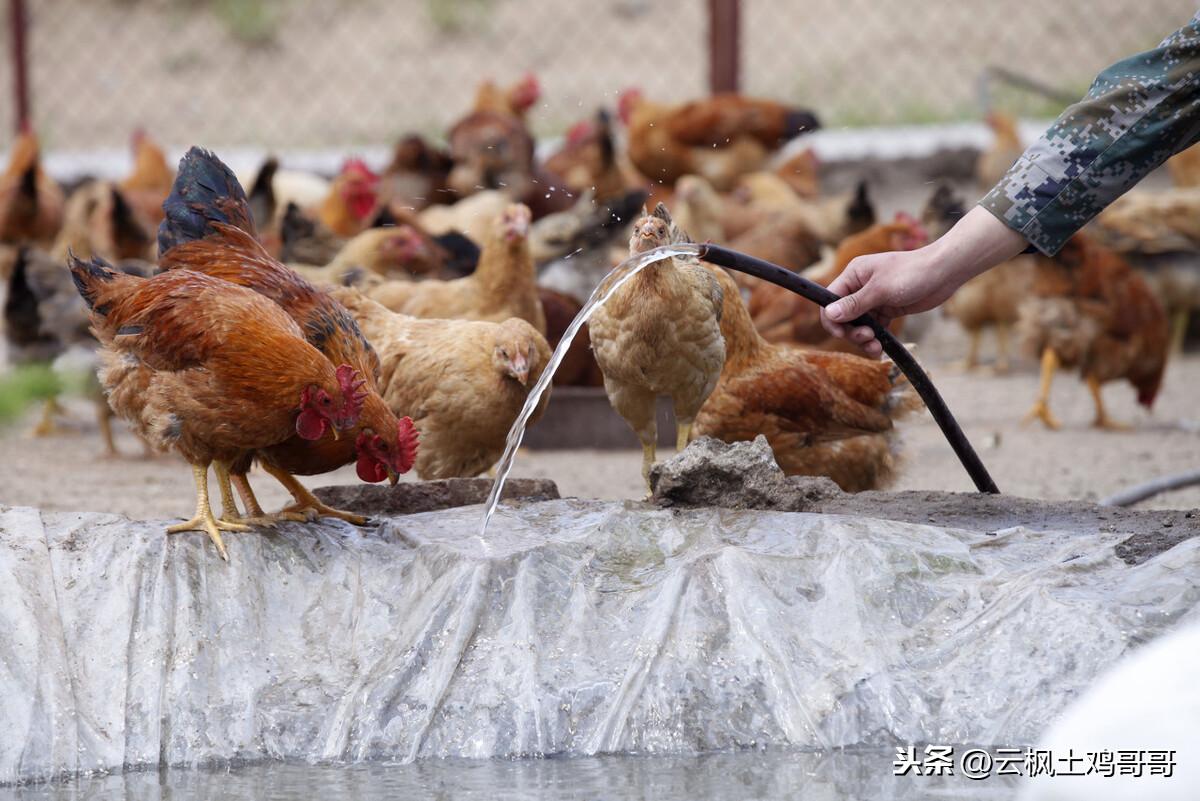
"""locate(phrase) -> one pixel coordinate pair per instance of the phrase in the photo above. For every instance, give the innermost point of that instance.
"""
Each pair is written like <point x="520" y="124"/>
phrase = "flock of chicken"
<point x="311" y="323"/>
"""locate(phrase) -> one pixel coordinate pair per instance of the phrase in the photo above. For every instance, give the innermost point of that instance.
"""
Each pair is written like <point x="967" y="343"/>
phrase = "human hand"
<point x="891" y="285"/>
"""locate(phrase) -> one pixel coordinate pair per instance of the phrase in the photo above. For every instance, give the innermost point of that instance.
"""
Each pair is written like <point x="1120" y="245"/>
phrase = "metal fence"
<point x="352" y="73"/>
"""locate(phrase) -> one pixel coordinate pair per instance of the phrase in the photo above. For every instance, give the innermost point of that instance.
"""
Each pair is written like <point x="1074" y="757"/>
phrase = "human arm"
<point x="1138" y="113"/>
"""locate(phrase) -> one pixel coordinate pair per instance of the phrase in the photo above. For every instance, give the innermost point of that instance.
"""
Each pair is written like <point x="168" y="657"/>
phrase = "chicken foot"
<point x="104" y="419"/>
<point x="1041" y="408"/>
<point x="307" y="505"/>
<point x="1002" y="363"/>
<point x="971" y="360"/>
<point x="1102" y="419"/>
<point x="46" y="427"/>
<point x="204" y="520"/>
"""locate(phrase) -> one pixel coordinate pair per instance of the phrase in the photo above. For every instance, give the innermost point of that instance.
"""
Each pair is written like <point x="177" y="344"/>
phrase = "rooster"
<point x="208" y="229"/>
<point x="31" y="203"/>
<point x="180" y="365"/>
<point x="824" y="414"/>
<point x="659" y="334"/>
<point x="352" y="200"/>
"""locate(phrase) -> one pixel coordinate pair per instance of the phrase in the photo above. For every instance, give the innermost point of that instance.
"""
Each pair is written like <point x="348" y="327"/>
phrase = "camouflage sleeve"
<point x="1138" y="113"/>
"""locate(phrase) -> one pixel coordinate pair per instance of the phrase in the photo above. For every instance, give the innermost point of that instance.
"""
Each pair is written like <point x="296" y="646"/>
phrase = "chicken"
<point x="502" y="286"/>
<point x="829" y="220"/>
<point x="1090" y="310"/>
<point x="515" y="99"/>
<point x="399" y="251"/>
<point x="824" y="414"/>
<point x="472" y="216"/>
<point x="210" y="370"/>
<point x="1159" y="234"/>
<point x="463" y="382"/>
<point x="588" y="160"/>
<point x="352" y="200"/>
<point x="149" y="182"/>
<point x="31" y="203"/>
<point x="802" y="174"/>
<point x="491" y="149"/>
<point x="991" y="299"/>
<point x="659" y="334"/>
<point x="44" y="317"/>
<point x="1184" y="167"/>
<point x="574" y="249"/>
<point x="1005" y="149"/>
<point x="781" y="315"/>
<point x="578" y="367"/>
<point x="99" y="220"/>
<point x="417" y="175"/>
<point x="208" y="230"/>
<point x="719" y="138"/>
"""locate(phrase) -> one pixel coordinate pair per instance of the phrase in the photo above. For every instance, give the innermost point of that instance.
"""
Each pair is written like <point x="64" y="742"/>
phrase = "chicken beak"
<point x="336" y="435"/>
<point x="520" y="370"/>
<point x="393" y="476"/>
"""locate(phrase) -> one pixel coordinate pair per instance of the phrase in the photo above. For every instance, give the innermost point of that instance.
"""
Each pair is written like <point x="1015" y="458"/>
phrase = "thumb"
<point x="852" y="306"/>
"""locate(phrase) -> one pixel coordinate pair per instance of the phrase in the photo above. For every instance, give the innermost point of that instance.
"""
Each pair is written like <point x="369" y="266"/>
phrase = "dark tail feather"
<point x="384" y="219"/>
<point x="89" y="276"/>
<point x="205" y="192"/>
<point x="860" y="213"/>
<point x="22" y="319"/>
<point x="464" y="253"/>
<point x="127" y="228"/>
<point x="262" y="193"/>
<point x="28" y="186"/>
<point x="800" y="121"/>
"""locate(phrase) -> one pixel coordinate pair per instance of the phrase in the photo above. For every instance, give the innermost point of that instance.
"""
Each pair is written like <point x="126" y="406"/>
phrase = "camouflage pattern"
<point x="1138" y="113"/>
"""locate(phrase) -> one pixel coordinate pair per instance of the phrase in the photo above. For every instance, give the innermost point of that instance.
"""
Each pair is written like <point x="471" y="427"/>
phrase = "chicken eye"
<point x="325" y="401"/>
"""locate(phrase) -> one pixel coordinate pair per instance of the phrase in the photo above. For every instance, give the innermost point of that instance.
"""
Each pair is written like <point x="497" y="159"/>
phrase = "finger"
<point x="833" y="328"/>
<point x="852" y="306"/>
<point x="873" y="348"/>
<point x="861" y="335"/>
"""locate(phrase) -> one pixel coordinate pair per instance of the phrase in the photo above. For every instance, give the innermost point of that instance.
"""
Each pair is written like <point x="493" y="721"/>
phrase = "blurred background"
<point x="350" y="73"/>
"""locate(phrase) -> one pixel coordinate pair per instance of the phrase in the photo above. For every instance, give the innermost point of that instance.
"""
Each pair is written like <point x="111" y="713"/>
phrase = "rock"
<point x="739" y="475"/>
<point x="428" y="496"/>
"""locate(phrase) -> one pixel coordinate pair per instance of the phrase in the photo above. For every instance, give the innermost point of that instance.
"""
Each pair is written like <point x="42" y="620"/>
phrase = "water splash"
<point x="603" y="291"/>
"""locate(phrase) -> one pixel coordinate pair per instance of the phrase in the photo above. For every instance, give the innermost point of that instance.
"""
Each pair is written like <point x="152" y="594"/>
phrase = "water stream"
<point x="604" y="290"/>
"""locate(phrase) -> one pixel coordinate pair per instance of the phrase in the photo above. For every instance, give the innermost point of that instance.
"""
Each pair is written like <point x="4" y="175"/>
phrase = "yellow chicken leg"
<point x="204" y="520"/>
<point x="104" y="419"/>
<point x="255" y="516"/>
<point x="1041" y="408"/>
<point x="308" y="505"/>
<point x="1002" y="332"/>
<point x="648" y="453"/>
<point x="683" y="434"/>
<point x="46" y="427"/>
<point x="1102" y="419"/>
<point x="971" y="360"/>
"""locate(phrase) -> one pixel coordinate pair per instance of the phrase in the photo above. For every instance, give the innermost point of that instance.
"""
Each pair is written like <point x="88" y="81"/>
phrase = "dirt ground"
<point x="67" y="472"/>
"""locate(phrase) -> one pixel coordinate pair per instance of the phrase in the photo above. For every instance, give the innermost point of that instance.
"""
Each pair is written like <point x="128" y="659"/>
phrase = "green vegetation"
<point x="456" y="16"/>
<point x="23" y="387"/>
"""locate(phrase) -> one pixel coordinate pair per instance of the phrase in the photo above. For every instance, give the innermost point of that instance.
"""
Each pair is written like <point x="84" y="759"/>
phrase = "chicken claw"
<point x="1103" y="421"/>
<point x="308" y="504"/>
<point x="46" y="426"/>
<point x="1041" y="411"/>
<point x="204" y="520"/>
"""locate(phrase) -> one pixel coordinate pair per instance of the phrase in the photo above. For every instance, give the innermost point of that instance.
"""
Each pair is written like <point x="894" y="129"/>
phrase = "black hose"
<point x="891" y="346"/>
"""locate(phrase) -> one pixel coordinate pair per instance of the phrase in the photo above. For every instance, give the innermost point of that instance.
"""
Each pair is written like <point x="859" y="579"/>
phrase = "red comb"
<point x="357" y="166"/>
<point x="406" y="444"/>
<point x="352" y="388"/>
<point x="579" y="132"/>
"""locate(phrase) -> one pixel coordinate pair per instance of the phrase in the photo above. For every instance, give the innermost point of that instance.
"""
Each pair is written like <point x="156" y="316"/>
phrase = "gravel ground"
<point x="67" y="472"/>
